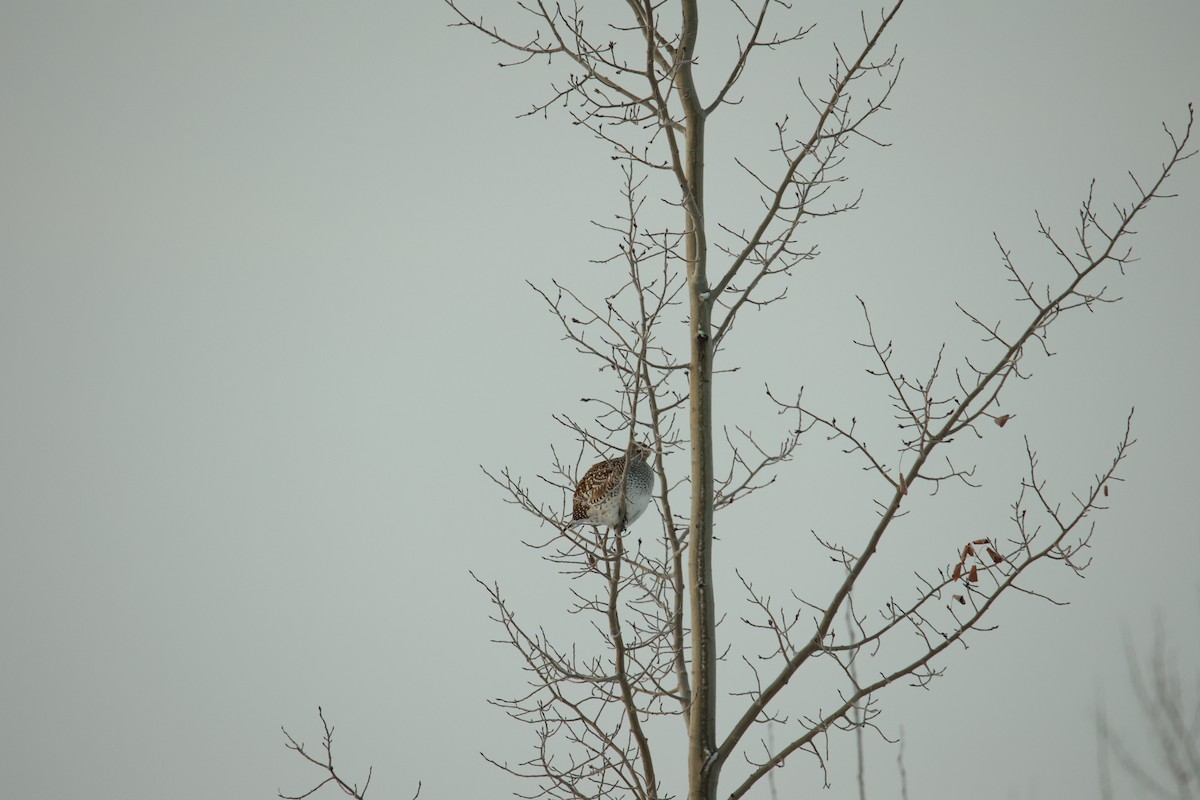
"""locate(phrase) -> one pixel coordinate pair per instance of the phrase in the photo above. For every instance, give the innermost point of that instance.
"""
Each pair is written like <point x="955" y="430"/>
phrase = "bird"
<point x="598" y="496"/>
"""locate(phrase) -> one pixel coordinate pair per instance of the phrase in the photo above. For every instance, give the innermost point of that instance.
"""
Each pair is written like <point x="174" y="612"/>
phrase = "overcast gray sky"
<point x="263" y="312"/>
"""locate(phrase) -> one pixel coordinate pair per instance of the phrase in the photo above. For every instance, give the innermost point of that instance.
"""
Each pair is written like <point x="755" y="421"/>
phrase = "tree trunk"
<point x="702" y="732"/>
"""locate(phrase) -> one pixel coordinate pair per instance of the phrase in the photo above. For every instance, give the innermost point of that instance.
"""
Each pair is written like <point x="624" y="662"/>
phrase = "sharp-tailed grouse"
<point x="598" y="495"/>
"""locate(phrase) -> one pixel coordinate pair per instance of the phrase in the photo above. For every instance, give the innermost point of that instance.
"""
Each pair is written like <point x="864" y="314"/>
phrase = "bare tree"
<point x="1171" y="717"/>
<point x="631" y="83"/>
<point x="324" y="762"/>
<point x="601" y="705"/>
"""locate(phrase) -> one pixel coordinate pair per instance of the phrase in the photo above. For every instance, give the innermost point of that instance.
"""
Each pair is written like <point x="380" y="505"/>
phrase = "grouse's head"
<point x="642" y="450"/>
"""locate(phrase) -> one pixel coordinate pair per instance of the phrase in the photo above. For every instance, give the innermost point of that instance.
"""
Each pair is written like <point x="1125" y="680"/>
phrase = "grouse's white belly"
<point x="635" y="504"/>
<point x="605" y="513"/>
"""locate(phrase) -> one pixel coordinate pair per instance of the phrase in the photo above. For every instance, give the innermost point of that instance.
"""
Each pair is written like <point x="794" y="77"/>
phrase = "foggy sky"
<point x="263" y="313"/>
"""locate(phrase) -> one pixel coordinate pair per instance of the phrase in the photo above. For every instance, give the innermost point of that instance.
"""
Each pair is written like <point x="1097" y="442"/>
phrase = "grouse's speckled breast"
<point x="598" y="496"/>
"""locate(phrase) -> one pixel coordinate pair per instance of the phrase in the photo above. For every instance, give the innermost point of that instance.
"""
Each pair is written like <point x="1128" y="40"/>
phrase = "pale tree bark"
<point x="702" y="730"/>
